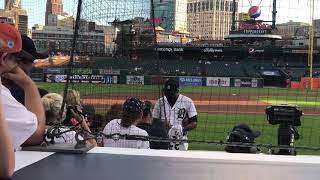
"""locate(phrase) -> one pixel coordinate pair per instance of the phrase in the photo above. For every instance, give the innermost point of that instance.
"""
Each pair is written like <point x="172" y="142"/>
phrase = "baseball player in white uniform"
<point x="177" y="111"/>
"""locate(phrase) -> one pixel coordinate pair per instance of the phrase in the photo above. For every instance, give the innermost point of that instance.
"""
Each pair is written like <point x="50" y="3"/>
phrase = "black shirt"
<point x="156" y="129"/>
<point x="18" y="93"/>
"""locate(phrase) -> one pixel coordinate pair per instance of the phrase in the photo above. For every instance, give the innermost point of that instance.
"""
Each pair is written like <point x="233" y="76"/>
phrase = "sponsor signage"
<point x="170" y="49"/>
<point x="212" y="50"/>
<point x="303" y="51"/>
<point x="190" y="81"/>
<point x="256" y="31"/>
<point x="218" y="81"/>
<point x="56" y="78"/>
<point x="75" y="78"/>
<point x="271" y="73"/>
<point x="53" y="71"/>
<point x="135" y="80"/>
<point x="109" y="79"/>
<point x="252" y="51"/>
<point x="246" y="82"/>
<point x="109" y="71"/>
<point x="254" y="25"/>
<point x="81" y="71"/>
<point x="37" y="77"/>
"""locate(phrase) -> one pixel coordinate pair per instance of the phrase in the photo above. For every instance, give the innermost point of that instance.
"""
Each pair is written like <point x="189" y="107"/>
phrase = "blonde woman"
<point x="73" y="98"/>
<point x="52" y="103"/>
<point x="73" y="102"/>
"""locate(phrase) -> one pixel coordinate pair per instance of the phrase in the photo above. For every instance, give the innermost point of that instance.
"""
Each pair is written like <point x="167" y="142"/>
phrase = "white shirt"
<point x="181" y="110"/>
<point x="22" y="123"/>
<point x="114" y="127"/>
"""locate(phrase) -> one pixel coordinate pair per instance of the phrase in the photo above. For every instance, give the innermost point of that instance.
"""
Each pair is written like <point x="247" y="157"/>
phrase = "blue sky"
<point x="297" y="10"/>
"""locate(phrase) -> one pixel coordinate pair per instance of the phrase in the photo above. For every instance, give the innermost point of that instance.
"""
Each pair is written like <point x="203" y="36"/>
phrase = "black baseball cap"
<point x="29" y="52"/>
<point x="171" y="85"/>
<point x="88" y="110"/>
<point x="133" y="104"/>
<point x="251" y="132"/>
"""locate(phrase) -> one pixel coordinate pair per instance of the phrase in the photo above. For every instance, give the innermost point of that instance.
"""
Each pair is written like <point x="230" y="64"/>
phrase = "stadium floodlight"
<point x="288" y="118"/>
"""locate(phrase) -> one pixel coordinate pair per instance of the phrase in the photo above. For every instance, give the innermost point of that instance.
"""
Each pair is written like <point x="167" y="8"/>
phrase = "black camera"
<point x="75" y="110"/>
<point x="288" y="118"/>
<point x="284" y="114"/>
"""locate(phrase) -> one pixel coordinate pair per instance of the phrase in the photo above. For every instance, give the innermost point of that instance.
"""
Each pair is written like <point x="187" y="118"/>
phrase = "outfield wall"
<point x="107" y="76"/>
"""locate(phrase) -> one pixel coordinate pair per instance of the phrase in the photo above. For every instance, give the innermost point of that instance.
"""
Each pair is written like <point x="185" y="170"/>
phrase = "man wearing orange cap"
<point x="26" y="123"/>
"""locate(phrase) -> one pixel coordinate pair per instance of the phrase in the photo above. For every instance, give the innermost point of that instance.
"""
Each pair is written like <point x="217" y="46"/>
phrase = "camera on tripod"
<point x="288" y="118"/>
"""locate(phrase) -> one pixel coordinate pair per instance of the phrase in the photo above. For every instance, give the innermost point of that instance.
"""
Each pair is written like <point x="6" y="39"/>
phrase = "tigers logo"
<point x="182" y="113"/>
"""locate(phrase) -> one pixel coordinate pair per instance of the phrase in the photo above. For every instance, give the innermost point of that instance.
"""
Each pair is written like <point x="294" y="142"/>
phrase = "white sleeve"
<point x="192" y="111"/>
<point x="22" y="123"/>
<point x="145" y="144"/>
<point x="156" y="110"/>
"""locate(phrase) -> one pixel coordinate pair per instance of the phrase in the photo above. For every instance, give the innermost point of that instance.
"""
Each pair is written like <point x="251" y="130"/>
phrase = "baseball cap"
<point x="10" y="39"/>
<point x="133" y="104"/>
<point x="88" y="110"/>
<point x="29" y="47"/>
<point x="171" y="85"/>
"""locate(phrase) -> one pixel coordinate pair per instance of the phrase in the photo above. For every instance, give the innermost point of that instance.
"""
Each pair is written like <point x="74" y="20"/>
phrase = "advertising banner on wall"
<point x="37" y="77"/>
<point x="53" y="71"/>
<point x="109" y="79"/>
<point x="242" y="82"/>
<point x="135" y="80"/>
<point x="190" y="81"/>
<point x="218" y="81"/>
<point x="75" y="78"/>
<point x="81" y="71"/>
<point x="109" y="71"/>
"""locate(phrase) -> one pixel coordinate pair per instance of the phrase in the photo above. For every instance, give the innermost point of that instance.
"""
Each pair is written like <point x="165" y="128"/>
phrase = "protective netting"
<point x="128" y="48"/>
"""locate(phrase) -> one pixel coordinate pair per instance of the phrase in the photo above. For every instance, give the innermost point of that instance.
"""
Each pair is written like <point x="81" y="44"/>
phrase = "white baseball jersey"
<point x="181" y="110"/>
<point x="176" y="132"/>
<point x="114" y="127"/>
<point x="22" y="123"/>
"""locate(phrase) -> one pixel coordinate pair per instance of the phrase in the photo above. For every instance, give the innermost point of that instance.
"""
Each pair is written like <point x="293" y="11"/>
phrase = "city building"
<point x="14" y="13"/>
<point x="316" y="23"/>
<point x="60" y="21"/>
<point x="10" y="4"/>
<point x="288" y="30"/>
<point x="54" y="7"/>
<point x="59" y="40"/>
<point x="171" y="15"/>
<point x="210" y="19"/>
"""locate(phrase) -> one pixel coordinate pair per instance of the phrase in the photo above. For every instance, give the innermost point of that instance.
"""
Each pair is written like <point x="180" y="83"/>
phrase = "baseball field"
<point x="219" y="108"/>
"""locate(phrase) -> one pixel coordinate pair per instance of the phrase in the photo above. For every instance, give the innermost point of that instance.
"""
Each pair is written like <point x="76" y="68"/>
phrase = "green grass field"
<point x="302" y="101"/>
<point x="216" y="126"/>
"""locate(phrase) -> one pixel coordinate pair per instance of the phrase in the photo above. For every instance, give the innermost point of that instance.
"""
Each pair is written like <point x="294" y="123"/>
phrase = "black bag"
<point x="242" y="134"/>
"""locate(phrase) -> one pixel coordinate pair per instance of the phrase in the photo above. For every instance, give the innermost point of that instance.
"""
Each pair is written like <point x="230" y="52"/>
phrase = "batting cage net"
<point x="224" y="86"/>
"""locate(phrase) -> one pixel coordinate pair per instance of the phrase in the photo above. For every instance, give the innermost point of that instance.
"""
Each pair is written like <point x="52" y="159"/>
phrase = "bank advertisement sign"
<point x="190" y="81"/>
<point x="245" y="82"/>
<point x="135" y="80"/>
<point x="75" y="78"/>
<point x="218" y="81"/>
